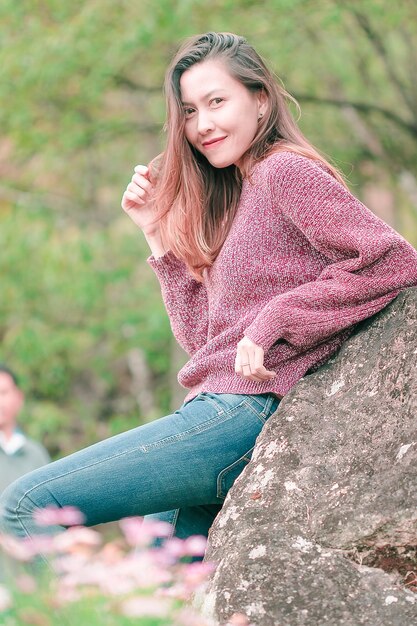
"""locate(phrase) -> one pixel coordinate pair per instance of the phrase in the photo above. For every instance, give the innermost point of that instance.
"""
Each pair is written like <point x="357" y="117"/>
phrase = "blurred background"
<point x="81" y="318"/>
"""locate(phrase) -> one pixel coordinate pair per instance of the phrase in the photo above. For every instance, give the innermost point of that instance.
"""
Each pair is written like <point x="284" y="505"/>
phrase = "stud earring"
<point x="260" y="116"/>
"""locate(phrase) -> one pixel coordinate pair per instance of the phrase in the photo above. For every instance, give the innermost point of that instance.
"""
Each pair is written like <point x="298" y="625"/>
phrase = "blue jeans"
<point x="178" y="468"/>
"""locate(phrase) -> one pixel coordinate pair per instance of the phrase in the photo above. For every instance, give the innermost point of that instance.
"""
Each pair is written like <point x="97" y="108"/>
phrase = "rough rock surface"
<point x="321" y="527"/>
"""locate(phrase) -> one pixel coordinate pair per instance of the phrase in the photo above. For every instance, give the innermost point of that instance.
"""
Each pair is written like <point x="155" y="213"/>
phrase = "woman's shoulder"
<point x="293" y="173"/>
<point x="289" y="162"/>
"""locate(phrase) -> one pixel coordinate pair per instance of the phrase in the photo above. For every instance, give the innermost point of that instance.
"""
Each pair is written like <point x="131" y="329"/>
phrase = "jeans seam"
<point x="16" y="511"/>
<point x="220" y="477"/>
<point x="173" y="522"/>
<point x="219" y="408"/>
<point x="275" y="412"/>
<point x="261" y="405"/>
<point x="260" y="415"/>
<point x="223" y="473"/>
<point x="44" y="559"/>
<point x="218" y="419"/>
<point x="268" y="405"/>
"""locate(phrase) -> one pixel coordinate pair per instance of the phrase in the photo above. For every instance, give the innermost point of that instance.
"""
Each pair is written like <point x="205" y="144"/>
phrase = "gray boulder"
<point x="321" y="527"/>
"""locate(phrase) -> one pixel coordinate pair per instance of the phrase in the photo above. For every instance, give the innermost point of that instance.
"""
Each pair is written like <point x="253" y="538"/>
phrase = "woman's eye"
<point x="188" y="112"/>
<point x="216" y="100"/>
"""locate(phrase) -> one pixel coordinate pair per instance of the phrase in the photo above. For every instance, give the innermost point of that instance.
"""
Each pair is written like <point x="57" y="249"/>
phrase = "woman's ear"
<point x="262" y="98"/>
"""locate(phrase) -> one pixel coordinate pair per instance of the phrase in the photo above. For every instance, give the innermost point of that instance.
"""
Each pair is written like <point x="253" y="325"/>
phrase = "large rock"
<point x="321" y="526"/>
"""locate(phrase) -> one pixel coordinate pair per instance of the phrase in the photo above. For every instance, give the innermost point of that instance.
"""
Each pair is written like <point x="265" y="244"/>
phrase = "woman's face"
<point x="221" y="114"/>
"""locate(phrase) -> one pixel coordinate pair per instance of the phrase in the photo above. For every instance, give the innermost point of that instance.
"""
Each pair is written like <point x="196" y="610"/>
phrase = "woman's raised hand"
<point x="136" y="200"/>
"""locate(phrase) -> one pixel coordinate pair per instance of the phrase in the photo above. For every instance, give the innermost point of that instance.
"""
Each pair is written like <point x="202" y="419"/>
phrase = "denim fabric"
<point x="179" y="467"/>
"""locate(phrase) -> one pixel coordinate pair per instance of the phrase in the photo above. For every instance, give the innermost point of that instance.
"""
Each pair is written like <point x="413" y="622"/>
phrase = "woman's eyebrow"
<point x="207" y="95"/>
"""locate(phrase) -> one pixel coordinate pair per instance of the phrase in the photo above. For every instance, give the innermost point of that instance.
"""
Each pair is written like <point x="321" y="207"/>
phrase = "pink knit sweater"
<point x="304" y="261"/>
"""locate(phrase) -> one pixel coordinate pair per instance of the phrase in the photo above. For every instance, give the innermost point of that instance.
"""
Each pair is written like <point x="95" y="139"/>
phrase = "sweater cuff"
<point x="161" y="260"/>
<point x="259" y="336"/>
<point x="167" y="267"/>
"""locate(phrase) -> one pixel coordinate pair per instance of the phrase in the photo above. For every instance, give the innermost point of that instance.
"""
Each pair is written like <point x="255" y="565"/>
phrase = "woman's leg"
<point x="186" y="459"/>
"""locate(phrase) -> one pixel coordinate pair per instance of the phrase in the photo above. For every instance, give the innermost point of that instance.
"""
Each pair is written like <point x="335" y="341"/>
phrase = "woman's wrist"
<point x="154" y="240"/>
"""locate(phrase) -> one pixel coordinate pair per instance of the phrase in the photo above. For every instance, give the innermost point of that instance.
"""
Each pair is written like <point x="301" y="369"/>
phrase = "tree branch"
<point x="124" y="81"/>
<point x="363" y="107"/>
<point x="378" y="45"/>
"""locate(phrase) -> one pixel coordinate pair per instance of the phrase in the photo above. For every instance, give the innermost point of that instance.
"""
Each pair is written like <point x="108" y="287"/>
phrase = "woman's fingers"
<point x="142" y="181"/>
<point x="243" y="358"/>
<point x="249" y="362"/>
<point x="139" y="189"/>
<point x="129" y="201"/>
<point x="260" y="374"/>
<point x="142" y="169"/>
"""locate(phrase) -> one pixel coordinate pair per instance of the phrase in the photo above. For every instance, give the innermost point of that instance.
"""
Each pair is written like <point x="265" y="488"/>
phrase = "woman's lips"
<point x="213" y="142"/>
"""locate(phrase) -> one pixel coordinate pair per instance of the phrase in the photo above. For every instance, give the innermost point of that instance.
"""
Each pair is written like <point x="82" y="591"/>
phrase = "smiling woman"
<point x="266" y="262"/>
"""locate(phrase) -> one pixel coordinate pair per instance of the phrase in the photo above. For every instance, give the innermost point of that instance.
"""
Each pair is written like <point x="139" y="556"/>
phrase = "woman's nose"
<point x="205" y="123"/>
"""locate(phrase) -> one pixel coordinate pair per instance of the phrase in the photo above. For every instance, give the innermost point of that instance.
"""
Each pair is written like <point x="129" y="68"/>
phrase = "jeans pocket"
<point x="225" y="402"/>
<point x="228" y="475"/>
<point x="263" y="405"/>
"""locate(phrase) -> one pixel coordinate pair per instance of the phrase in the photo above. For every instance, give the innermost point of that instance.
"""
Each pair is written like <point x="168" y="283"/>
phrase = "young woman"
<point x="266" y="263"/>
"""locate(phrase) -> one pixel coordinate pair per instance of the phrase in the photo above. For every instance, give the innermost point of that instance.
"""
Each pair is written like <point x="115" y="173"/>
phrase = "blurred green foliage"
<point x="75" y="302"/>
<point x="82" y="104"/>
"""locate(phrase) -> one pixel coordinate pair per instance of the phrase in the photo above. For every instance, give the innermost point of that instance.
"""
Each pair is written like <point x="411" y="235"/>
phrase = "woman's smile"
<point x="212" y="143"/>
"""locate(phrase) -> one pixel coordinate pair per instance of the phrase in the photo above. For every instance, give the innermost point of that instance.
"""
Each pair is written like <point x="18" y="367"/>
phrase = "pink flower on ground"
<point x="195" y="545"/>
<point x="238" y="619"/>
<point x="173" y="548"/>
<point x="140" y="533"/>
<point x="92" y="574"/>
<point x="61" y="516"/>
<point x="39" y="544"/>
<point x="26" y="583"/>
<point x="73" y="539"/>
<point x="188" y="617"/>
<point x="177" y="591"/>
<point x="5" y="599"/>
<point x="66" y="595"/>
<point x="111" y="552"/>
<point x="143" y="606"/>
<point x="196" y="573"/>
<point x="118" y="586"/>
<point x="19" y="549"/>
<point x="143" y="569"/>
<point x="70" y="563"/>
<point x="158" y="529"/>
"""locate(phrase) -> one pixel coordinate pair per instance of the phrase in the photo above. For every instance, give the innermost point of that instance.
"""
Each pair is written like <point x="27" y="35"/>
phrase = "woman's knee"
<point x="15" y="503"/>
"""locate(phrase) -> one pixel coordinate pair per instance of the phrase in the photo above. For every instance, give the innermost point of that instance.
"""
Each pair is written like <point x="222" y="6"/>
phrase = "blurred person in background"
<point x="18" y="453"/>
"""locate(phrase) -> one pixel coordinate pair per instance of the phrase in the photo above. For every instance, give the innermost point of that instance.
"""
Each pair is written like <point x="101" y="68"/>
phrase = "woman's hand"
<point x="249" y="361"/>
<point x="136" y="201"/>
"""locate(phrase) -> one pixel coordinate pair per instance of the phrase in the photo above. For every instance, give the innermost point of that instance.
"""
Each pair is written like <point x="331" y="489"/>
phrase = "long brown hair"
<point x="196" y="202"/>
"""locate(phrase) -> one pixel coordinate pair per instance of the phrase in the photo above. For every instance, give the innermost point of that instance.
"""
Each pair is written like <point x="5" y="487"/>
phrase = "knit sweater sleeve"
<point x="185" y="300"/>
<point x="369" y="262"/>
